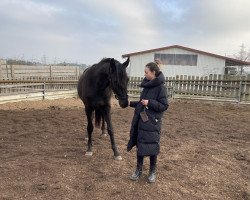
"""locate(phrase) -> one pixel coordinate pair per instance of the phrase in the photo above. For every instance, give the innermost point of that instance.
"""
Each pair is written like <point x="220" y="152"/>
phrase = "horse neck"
<point x="104" y="73"/>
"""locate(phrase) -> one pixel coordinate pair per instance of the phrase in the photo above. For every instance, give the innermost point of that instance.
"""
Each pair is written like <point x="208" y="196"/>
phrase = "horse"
<point x="95" y="88"/>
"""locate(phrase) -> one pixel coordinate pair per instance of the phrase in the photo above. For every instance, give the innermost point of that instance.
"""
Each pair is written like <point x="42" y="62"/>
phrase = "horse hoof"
<point x="118" y="158"/>
<point x="88" y="153"/>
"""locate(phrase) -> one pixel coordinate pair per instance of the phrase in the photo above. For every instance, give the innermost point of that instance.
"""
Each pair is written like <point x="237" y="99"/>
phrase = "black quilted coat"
<point x="146" y="135"/>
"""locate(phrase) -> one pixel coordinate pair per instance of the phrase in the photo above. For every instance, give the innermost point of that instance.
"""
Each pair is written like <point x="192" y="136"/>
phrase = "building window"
<point x="177" y="59"/>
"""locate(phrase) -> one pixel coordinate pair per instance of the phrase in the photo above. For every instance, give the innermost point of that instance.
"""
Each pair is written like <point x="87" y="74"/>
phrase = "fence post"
<point x="245" y="94"/>
<point x="12" y="71"/>
<point x="50" y="71"/>
<point x="1" y="69"/>
<point x="174" y="88"/>
<point x="77" y="71"/>
<point x="240" y="90"/>
<point x="247" y="88"/>
<point x="43" y="90"/>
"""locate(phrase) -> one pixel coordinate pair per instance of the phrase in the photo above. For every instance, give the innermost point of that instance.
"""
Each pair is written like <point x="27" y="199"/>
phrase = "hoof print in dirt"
<point x="240" y="156"/>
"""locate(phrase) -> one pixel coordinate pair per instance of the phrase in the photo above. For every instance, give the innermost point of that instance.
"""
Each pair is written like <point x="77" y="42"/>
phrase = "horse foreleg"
<point x="90" y="128"/>
<point x="111" y="134"/>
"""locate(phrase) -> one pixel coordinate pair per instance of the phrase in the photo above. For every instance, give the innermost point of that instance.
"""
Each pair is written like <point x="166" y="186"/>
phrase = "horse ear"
<point x="125" y="64"/>
<point x="112" y="65"/>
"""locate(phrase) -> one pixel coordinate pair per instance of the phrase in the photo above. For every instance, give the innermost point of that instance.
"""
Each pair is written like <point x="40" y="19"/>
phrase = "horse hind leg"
<point x="103" y="127"/>
<point x="92" y="117"/>
<point x="90" y="128"/>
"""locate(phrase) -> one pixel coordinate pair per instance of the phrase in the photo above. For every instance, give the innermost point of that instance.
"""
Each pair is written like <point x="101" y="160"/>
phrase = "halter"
<point x="117" y="96"/>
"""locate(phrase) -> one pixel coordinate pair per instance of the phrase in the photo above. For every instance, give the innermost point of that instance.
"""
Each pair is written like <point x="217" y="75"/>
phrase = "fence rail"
<point x="216" y="87"/>
<point x="36" y="91"/>
<point x="226" y="87"/>
<point x="18" y="71"/>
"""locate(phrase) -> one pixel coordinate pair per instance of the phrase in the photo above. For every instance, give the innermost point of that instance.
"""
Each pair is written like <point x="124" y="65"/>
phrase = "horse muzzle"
<point x="123" y="102"/>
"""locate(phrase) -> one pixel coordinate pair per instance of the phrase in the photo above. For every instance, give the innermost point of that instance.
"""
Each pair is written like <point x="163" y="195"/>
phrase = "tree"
<point x="244" y="56"/>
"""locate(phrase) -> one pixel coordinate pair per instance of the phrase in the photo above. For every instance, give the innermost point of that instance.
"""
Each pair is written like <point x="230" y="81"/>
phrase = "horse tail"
<point x="79" y="86"/>
<point x="98" y="118"/>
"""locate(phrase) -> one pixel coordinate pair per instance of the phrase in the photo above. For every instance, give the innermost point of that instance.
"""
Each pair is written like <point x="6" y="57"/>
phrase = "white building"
<point x="179" y="60"/>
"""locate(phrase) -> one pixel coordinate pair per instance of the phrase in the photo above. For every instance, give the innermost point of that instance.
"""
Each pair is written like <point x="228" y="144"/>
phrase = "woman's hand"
<point x="144" y="102"/>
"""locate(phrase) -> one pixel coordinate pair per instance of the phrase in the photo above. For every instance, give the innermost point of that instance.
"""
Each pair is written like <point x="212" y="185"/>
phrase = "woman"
<point x="146" y="123"/>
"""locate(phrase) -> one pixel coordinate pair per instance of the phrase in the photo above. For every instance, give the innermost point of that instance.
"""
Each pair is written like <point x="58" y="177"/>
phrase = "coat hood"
<point x="153" y="83"/>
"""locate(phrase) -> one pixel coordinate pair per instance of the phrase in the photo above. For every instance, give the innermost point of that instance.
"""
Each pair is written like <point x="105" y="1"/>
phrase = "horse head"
<point x="119" y="81"/>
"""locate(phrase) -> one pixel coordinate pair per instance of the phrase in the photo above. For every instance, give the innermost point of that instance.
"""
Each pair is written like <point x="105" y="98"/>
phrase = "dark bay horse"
<point x="95" y="88"/>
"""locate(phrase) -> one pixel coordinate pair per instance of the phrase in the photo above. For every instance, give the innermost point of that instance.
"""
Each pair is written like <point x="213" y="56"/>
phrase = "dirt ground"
<point x="205" y="150"/>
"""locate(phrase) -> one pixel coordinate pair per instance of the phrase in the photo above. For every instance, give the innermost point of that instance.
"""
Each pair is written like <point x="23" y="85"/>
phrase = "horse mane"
<point x="104" y="60"/>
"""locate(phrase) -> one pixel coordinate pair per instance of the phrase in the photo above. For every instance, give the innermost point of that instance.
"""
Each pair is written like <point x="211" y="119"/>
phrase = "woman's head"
<point x="152" y="70"/>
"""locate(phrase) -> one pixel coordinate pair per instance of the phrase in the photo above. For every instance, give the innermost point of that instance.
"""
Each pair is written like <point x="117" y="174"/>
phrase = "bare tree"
<point x="243" y="55"/>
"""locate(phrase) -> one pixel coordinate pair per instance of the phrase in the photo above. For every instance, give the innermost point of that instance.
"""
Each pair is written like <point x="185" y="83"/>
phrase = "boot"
<point x="152" y="174"/>
<point x="137" y="174"/>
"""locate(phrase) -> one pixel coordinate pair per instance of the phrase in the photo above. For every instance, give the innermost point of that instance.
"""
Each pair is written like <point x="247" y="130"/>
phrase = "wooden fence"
<point x="216" y="87"/>
<point x="34" y="89"/>
<point x="226" y="87"/>
<point x="20" y="71"/>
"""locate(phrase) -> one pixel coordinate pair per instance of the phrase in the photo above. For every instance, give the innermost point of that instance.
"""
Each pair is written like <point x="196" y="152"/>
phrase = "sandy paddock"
<point x="205" y="150"/>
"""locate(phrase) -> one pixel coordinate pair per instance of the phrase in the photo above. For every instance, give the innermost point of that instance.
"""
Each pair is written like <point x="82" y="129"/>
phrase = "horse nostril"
<point x="123" y="104"/>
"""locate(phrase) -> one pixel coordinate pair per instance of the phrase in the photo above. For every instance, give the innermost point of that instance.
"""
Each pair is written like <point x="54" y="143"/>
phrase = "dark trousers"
<point x="153" y="160"/>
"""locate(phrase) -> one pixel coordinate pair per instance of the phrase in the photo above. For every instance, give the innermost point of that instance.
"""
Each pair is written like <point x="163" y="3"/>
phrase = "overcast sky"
<point x="84" y="31"/>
